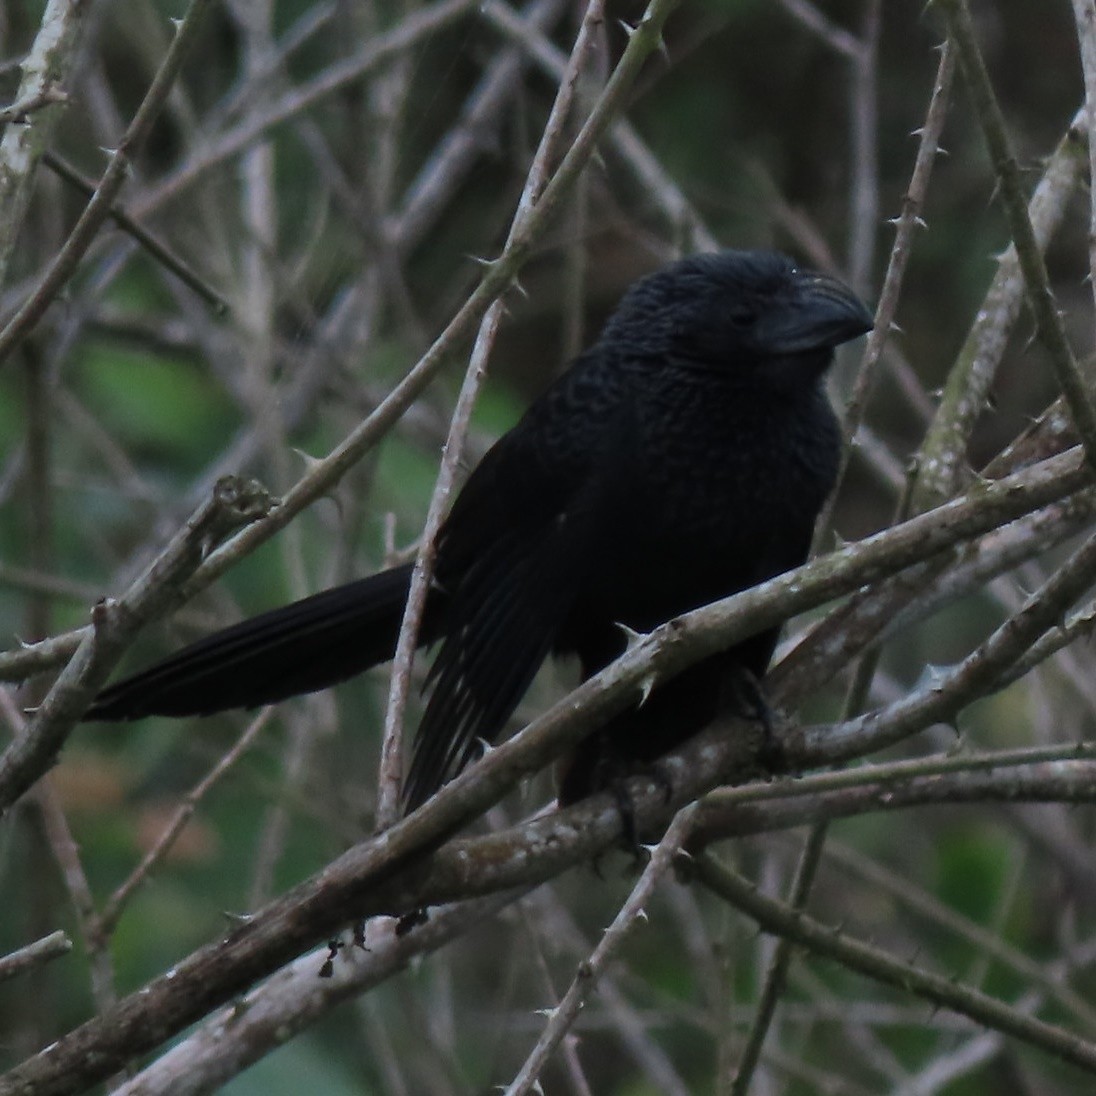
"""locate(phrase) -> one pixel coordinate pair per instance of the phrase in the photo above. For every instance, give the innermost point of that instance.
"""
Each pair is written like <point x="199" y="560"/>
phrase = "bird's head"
<point x="737" y="309"/>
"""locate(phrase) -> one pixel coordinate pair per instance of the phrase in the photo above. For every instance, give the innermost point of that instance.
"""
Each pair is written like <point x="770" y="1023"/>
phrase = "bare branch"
<point x="1047" y="316"/>
<point x="34" y="955"/>
<point x="942" y="991"/>
<point x="98" y="209"/>
<point x="45" y="69"/>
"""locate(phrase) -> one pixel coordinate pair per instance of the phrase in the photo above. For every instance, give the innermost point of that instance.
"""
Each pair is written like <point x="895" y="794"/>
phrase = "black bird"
<point x="683" y="457"/>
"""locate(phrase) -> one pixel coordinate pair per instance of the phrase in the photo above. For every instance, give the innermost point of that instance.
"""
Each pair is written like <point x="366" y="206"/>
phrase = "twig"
<point x="560" y="930"/>
<point x="366" y="880"/>
<point x="656" y="183"/>
<point x="1057" y="781"/>
<point x="107" y="920"/>
<point x="58" y="586"/>
<point x="862" y="621"/>
<point x="776" y="975"/>
<point x="456" y="153"/>
<point x="944" y="992"/>
<point x="998" y="552"/>
<point x="568" y="1048"/>
<point x="906" y="224"/>
<point x="45" y="67"/>
<point x="991" y="944"/>
<point x="498" y="276"/>
<point x="1047" y="317"/>
<point x="34" y="955"/>
<point x="1084" y="12"/>
<point x="421" y="576"/>
<point x="982" y="670"/>
<point x="943" y="462"/>
<point x="973" y="1054"/>
<point x="67" y="855"/>
<point x="564" y="1014"/>
<point x="841" y="572"/>
<point x="420" y="24"/>
<point x="891" y="774"/>
<point x="98" y="209"/>
<point x="113" y="625"/>
<point x="864" y="149"/>
<point x="37" y="100"/>
<point x="159" y="251"/>
<point x="226" y="1043"/>
<point x="324" y="474"/>
<point x="837" y="38"/>
<point x="864" y="208"/>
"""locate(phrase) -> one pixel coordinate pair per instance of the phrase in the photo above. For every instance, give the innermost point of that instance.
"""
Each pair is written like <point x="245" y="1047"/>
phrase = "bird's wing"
<point x="510" y="601"/>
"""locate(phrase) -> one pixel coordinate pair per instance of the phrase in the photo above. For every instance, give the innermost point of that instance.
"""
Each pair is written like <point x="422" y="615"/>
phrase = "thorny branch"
<point x="305" y="337"/>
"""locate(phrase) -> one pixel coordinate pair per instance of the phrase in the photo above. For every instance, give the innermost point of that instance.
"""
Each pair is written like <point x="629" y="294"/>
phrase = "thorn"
<point x="641" y="914"/>
<point x="547" y="1013"/>
<point x="632" y="638"/>
<point x="486" y="747"/>
<point x="520" y="290"/>
<point x="177" y="24"/>
<point x="920" y="222"/>
<point x="646" y="684"/>
<point x="307" y="459"/>
<point x="941" y="151"/>
<point x="895" y="328"/>
<point x="933" y="676"/>
<point x="627" y="27"/>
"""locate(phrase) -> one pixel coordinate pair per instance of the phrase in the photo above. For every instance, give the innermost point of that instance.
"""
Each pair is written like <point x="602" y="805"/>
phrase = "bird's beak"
<point x="818" y="313"/>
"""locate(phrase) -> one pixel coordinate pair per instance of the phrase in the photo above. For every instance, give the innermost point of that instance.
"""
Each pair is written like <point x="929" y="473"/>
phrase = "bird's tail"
<point x="302" y="647"/>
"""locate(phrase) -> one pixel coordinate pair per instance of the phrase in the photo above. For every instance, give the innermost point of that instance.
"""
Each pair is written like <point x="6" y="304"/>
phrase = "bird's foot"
<point x="752" y="703"/>
<point x="625" y="804"/>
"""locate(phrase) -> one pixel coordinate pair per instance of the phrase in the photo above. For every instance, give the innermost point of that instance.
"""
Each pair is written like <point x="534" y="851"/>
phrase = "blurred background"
<point x="342" y="229"/>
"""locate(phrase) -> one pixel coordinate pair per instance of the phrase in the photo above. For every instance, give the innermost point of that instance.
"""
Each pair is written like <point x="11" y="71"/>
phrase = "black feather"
<point x="683" y="457"/>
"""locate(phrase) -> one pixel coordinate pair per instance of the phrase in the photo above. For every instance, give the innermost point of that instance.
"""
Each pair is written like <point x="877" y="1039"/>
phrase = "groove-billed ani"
<point x="683" y="457"/>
